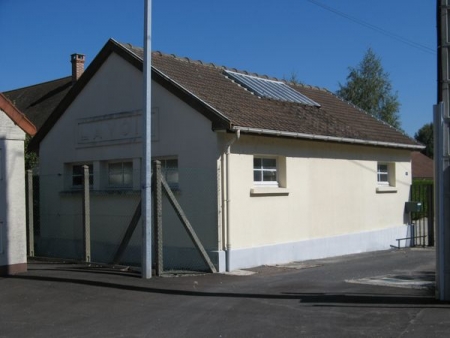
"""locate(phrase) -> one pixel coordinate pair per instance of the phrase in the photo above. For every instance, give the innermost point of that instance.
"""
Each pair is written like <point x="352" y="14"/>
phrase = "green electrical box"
<point x="413" y="206"/>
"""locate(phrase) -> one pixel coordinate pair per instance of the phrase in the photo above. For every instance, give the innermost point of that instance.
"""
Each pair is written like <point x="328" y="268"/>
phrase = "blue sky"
<point x="272" y="37"/>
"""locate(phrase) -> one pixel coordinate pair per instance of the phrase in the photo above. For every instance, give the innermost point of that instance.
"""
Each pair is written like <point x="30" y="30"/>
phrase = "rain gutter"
<point x="270" y="132"/>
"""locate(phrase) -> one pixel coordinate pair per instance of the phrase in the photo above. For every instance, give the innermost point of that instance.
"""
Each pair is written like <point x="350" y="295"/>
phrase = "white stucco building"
<point x="266" y="171"/>
<point x="13" y="245"/>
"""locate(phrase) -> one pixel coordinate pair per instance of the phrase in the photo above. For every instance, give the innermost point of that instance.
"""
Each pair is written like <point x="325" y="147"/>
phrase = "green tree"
<point x="425" y="136"/>
<point x="31" y="159"/>
<point x="293" y="78"/>
<point x="368" y="87"/>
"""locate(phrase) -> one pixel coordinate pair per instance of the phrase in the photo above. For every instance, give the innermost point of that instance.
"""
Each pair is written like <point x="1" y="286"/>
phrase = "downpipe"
<point x="228" y="201"/>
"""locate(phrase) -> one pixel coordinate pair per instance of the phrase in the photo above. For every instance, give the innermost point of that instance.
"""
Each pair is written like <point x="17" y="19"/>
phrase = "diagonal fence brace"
<point x="187" y="225"/>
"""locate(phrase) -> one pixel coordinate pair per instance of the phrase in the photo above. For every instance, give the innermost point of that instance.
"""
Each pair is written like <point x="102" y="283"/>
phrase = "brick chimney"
<point x="77" y="66"/>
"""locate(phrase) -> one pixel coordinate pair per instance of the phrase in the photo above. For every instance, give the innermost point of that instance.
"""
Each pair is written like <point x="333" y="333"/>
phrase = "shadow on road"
<point x="313" y="299"/>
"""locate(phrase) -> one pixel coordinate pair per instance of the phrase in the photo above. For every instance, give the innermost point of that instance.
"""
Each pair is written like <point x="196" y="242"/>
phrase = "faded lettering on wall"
<point x="124" y="127"/>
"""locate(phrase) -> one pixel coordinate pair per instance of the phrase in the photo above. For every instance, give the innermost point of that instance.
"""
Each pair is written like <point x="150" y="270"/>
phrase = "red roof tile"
<point x="422" y="166"/>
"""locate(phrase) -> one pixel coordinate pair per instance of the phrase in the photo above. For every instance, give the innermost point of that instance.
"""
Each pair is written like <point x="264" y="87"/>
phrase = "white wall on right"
<point x="331" y="191"/>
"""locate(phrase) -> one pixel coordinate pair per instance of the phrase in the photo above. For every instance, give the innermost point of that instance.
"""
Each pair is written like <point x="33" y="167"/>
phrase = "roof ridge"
<point x="299" y="84"/>
<point x="188" y="59"/>
<point x="214" y="65"/>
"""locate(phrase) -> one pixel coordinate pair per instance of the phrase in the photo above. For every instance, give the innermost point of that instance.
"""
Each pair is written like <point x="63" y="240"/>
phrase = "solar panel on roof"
<point x="270" y="89"/>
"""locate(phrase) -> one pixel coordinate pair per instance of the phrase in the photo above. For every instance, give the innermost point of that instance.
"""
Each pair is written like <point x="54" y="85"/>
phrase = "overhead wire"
<point x="380" y="30"/>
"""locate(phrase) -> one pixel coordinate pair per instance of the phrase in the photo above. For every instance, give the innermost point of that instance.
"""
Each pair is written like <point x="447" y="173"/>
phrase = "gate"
<point x="423" y="221"/>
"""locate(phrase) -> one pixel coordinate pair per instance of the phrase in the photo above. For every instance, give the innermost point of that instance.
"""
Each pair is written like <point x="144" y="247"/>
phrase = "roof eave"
<point x="270" y="132"/>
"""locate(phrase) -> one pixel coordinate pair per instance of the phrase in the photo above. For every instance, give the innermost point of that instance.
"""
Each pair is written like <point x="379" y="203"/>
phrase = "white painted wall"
<point x="99" y="126"/>
<point x="187" y="134"/>
<point x="331" y="194"/>
<point x="91" y="131"/>
<point x="12" y="194"/>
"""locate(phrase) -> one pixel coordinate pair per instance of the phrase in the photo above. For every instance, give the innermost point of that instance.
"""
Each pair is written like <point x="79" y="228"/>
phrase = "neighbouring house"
<point x="266" y="171"/>
<point x="38" y="101"/>
<point x="422" y="166"/>
<point x="13" y="245"/>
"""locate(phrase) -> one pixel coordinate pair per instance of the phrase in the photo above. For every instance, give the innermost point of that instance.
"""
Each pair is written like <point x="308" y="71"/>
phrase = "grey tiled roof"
<point x="334" y="118"/>
<point x="37" y="102"/>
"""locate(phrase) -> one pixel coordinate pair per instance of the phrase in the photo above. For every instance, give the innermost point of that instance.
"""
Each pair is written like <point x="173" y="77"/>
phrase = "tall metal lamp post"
<point x="147" y="144"/>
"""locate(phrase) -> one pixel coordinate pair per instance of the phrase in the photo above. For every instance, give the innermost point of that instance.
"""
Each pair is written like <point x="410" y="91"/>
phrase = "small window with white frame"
<point x="265" y="171"/>
<point x="383" y="174"/>
<point x="120" y="174"/>
<point x="386" y="174"/>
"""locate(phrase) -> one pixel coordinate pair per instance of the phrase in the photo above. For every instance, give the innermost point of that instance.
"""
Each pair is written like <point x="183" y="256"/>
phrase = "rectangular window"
<point x="120" y="174"/>
<point x="265" y="171"/>
<point x="78" y="175"/>
<point x="383" y="174"/>
<point x="169" y="170"/>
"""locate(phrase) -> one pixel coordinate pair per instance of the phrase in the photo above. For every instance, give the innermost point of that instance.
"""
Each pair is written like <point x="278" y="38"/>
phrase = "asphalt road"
<point x="382" y="294"/>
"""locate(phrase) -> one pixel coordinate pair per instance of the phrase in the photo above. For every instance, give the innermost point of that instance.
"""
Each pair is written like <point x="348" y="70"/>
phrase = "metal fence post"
<point x="158" y="218"/>
<point x="30" y="213"/>
<point x="430" y="215"/>
<point x="86" y="215"/>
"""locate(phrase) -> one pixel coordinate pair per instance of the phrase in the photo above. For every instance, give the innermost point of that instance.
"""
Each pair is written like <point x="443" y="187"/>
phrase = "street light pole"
<point x="147" y="144"/>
